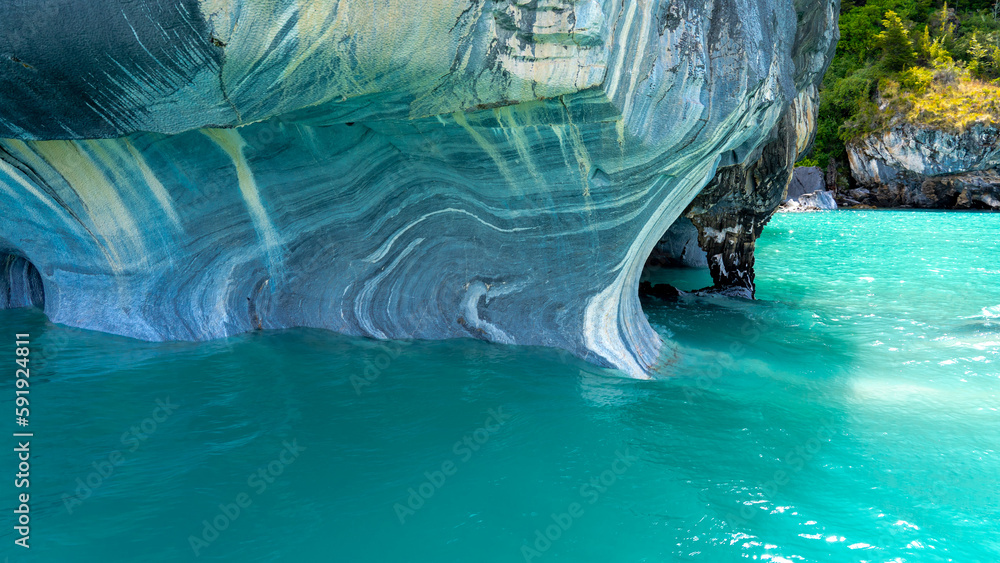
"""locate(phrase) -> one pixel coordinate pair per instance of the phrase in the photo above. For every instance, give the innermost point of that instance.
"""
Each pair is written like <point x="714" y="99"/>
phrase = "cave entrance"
<point x="677" y="260"/>
<point x="20" y="283"/>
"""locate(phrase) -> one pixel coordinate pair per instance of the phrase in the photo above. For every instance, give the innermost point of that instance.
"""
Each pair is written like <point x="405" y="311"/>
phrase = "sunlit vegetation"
<point x="926" y="62"/>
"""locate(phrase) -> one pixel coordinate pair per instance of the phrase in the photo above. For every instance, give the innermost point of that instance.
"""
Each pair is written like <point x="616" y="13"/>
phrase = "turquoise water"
<point x="851" y="414"/>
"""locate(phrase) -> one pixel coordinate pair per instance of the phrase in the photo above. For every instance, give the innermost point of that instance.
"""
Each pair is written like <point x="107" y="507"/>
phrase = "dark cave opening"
<point x="676" y="263"/>
<point x="20" y="283"/>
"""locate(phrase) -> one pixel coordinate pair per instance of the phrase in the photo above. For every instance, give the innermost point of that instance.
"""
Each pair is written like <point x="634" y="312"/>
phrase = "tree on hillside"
<point x="859" y="25"/>
<point x="922" y="46"/>
<point x="894" y="40"/>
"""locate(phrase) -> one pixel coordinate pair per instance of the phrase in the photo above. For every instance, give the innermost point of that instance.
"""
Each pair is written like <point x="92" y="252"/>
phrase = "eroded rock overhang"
<point x="498" y="170"/>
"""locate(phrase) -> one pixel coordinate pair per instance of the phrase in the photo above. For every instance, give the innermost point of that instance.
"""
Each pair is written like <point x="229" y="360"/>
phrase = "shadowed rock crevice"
<point x="20" y="283"/>
<point x="729" y="215"/>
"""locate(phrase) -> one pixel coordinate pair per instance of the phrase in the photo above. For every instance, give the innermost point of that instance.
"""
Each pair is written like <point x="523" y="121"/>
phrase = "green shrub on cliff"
<point x="921" y="61"/>
<point x="916" y="79"/>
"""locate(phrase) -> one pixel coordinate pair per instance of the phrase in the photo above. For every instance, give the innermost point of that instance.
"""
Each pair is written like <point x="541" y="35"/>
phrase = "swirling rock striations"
<point x="914" y="166"/>
<point x="497" y="170"/>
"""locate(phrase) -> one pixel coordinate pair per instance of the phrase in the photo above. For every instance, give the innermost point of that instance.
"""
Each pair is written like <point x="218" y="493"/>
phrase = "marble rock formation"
<point x="821" y="200"/>
<point x="805" y="180"/>
<point x="923" y="167"/>
<point x="20" y="283"/>
<point x="731" y="212"/>
<point x="807" y="192"/>
<point x="192" y="169"/>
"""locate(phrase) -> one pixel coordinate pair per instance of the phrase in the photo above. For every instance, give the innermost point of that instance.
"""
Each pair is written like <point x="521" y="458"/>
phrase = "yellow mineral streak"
<point x="27" y="186"/>
<point x="582" y="156"/>
<point x="110" y="217"/>
<point x="487" y="147"/>
<point x="154" y="184"/>
<point x="230" y="141"/>
<point x="515" y="133"/>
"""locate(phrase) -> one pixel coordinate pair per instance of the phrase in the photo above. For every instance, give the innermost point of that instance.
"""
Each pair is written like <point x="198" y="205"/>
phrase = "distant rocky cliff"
<point x="452" y="168"/>
<point x="915" y="166"/>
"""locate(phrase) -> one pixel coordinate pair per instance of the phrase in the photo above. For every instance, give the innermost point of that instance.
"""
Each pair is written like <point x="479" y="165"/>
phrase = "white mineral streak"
<point x="232" y="144"/>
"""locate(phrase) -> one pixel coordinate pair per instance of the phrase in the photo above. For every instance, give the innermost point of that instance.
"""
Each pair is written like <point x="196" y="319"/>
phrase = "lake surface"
<point x="850" y="414"/>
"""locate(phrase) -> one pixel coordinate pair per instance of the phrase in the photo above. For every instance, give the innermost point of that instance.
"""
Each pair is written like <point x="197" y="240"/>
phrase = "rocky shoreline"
<point x="910" y="166"/>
